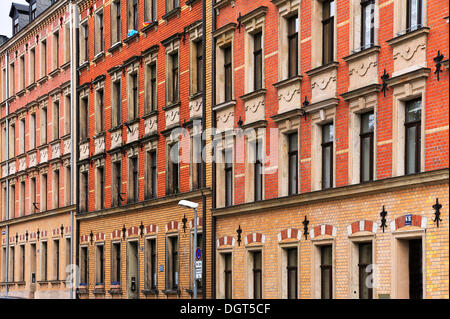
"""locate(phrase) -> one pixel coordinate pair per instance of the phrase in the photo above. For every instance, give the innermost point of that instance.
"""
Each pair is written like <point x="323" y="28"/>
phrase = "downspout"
<point x="7" y="172"/>
<point x="74" y="126"/>
<point x="72" y="166"/>
<point x="204" y="230"/>
<point x="213" y="124"/>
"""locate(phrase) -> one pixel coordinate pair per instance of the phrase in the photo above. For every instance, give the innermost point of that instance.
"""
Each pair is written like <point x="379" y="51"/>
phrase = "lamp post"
<point x="189" y="204"/>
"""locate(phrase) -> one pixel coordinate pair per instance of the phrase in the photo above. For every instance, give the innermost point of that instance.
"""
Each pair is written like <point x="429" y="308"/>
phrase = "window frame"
<point x="327" y="145"/>
<point x="417" y="124"/>
<point x="362" y="136"/>
<point x="328" y="22"/>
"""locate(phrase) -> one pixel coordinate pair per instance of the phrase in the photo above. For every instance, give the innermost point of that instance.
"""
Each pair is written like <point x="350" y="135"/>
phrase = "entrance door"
<point x="415" y="269"/>
<point x="132" y="273"/>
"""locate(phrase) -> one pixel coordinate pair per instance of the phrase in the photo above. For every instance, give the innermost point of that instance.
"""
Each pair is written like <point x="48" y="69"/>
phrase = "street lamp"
<point x="189" y="204"/>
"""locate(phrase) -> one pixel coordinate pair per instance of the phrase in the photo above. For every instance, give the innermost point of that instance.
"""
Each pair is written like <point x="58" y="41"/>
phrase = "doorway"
<point x="409" y="272"/>
<point x="133" y="270"/>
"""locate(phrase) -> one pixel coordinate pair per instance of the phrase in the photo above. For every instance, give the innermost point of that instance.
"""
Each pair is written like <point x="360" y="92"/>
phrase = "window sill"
<point x="84" y="140"/>
<point x="150" y="291"/>
<point x="115" y="290"/>
<point x="31" y="86"/>
<point x="82" y="291"/>
<point x="288" y="81"/>
<point x="222" y="3"/>
<point x="407" y="35"/>
<point x="323" y="68"/>
<point x="131" y="122"/>
<point x="191" y="291"/>
<point x="131" y="38"/>
<point x="20" y="93"/>
<point x="43" y="282"/>
<point x="254" y="94"/>
<point x="115" y="47"/>
<point x="171" y="106"/>
<point x="99" y="291"/>
<point x="150" y="114"/>
<point x="171" y="292"/>
<point x="98" y="57"/>
<point x="83" y="65"/>
<point x="115" y="128"/>
<point x="99" y="134"/>
<point x="21" y="283"/>
<point x="190" y="2"/>
<point x="152" y="25"/>
<point x="65" y="65"/>
<point x="54" y="73"/>
<point x="224" y="105"/>
<point x="172" y="13"/>
<point x="195" y="96"/>
<point x="362" y="53"/>
<point x="42" y="80"/>
<point x="55" y="282"/>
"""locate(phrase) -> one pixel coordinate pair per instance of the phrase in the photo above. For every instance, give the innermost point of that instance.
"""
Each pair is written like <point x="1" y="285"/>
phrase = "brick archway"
<point x="225" y="241"/>
<point x="324" y="229"/>
<point x="362" y="225"/>
<point x="289" y="233"/>
<point x="254" y="238"/>
<point x="411" y="220"/>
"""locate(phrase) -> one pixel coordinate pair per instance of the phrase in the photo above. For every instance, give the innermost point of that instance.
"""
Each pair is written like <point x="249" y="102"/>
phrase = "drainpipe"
<point x="203" y="147"/>
<point x="72" y="166"/>
<point x="7" y="171"/>
<point x="213" y="124"/>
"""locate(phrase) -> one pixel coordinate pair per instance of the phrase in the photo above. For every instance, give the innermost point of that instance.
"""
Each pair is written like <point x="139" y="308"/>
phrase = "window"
<point x="44" y="190"/>
<point x="116" y="115"/>
<point x="328" y="31"/>
<point x="173" y="266"/>
<point x="327" y="155"/>
<point x="56" y="260"/>
<point x="84" y="119"/>
<point x="413" y="133"/>
<point x="84" y="266"/>
<point x="150" y="264"/>
<point x="366" y="147"/>
<point x="56" y="50"/>
<point x="292" y="276"/>
<point x="116" y="263"/>
<point x="12" y="201"/>
<point x="22" y="72"/>
<point x="22" y="136"/>
<point x="116" y="22"/>
<point x="228" y="276"/>
<point x="55" y="120"/>
<point x="100" y="189"/>
<point x="227" y="72"/>
<point x="228" y="155"/>
<point x="196" y="162"/>
<point x="293" y="46"/>
<point x="367" y="23"/>
<point x="151" y="186"/>
<point x="33" y="11"/>
<point x="67" y="185"/>
<point x="257" y="274"/>
<point x="133" y="106"/>
<point x="33" y="203"/>
<point x="32" y="131"/>
<point x="133" y="190"/>
<point x="100" y="112"/>
<point x="150" y="10"/>
<point x="365" y="270"/>
<point x="12" y="79"/>
<point x="199" y="66"/>
<point x="132" y="15"/>
<point x="67" y="43"/>
<point x="171" y="5"/>
<point x="151" y="101"/>
<point x="174" y="163"/>
<point x="33" y="263"/>
<point x="258" y="170"/>
<point x="22" y="263"/>
<point x="11" y="265"/>
<point x="43" y="130"/>
<point x="257" y="61"/>
<point x="84" y="191"/>
<point x="44" y="267"/>
<point x="67" y="115"/>
<point x="326" y="274"/>
<point x="99" y="265"/>
<point x="173" y="96"/>
<point x="43" y="58"/>
<point x="116" y="184"/>
<point x="414" y="14"/>
<point x="99" y="33"/>
<point x="293" y="163"/>
<point x="84" y="42"/>
<point x="16" y="25"/>
<point x="32" y="65"/>
<point x="55" y="190"/>
<point x="12" y="140"/>
<point x="67" y="254"/>
<point x="22" y="199"/>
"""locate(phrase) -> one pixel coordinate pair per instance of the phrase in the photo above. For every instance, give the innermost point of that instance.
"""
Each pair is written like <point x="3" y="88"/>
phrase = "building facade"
<point x="141" y="112"/>
<point x="339" y="156"/>
<point x="313" y="135"/>
<point x="37" y="200"/>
